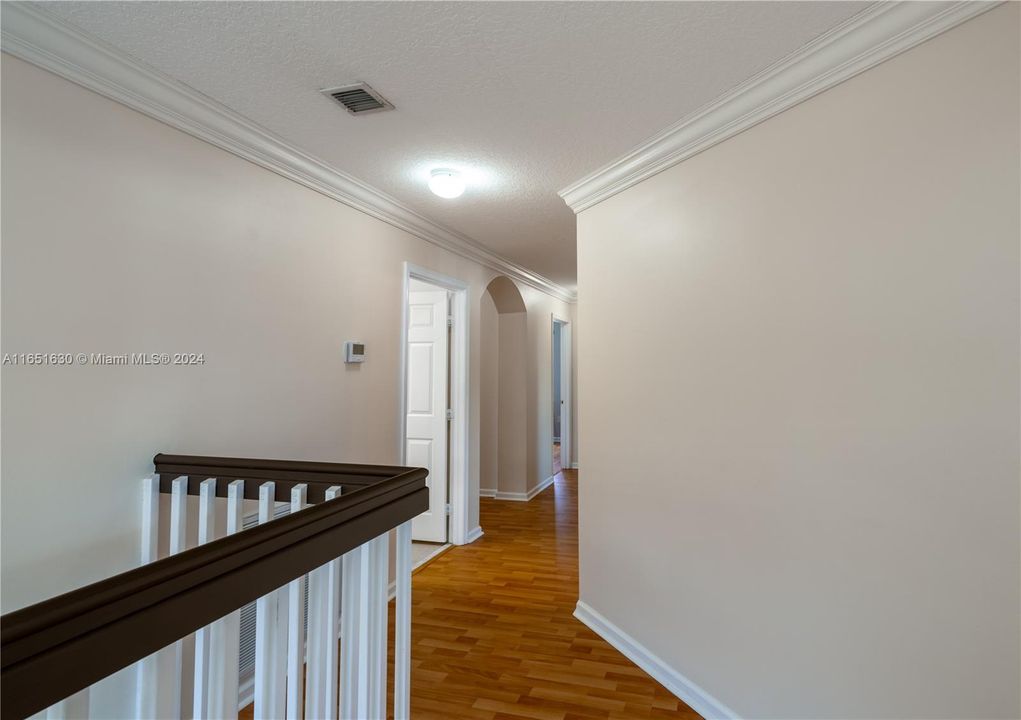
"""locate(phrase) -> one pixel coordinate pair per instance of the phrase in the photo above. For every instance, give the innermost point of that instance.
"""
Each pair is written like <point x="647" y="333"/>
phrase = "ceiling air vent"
<point x="359" y="99"/>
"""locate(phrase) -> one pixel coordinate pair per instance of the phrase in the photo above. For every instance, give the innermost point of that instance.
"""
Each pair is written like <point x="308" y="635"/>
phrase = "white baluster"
<point x="296" y="624"/>
<point x="224" y="664"/>
<point x="148" y="667"/>
<point x="354" y="628"/>
<point x="150" y="520"/>
<point x="363" y="622"/>
<point x="207" y="532"/>
<point x="402" y="625"/>
<point x="323" y="657"/>
<point x="75" y="707"/>
<point x="270" y="634"/>
<point x="379" y="605"/>
<point x="354" y="620"/>
<point x="169" y="695"/>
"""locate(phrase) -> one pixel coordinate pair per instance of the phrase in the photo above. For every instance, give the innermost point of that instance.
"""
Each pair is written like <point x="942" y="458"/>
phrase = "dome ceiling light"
<point x="446" y="183"/>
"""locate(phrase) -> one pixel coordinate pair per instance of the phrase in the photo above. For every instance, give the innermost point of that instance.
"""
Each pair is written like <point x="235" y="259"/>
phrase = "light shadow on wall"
<point x="504" y="399"/>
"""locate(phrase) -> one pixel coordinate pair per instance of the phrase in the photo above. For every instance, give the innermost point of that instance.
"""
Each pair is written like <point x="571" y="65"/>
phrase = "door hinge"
<point x="450" y="321"/>
<point x="450" y="414"/>
<point x="448" y="509"/>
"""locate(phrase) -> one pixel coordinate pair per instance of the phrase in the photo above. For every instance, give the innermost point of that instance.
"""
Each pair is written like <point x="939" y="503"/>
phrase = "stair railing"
<point x="335" y="539"/>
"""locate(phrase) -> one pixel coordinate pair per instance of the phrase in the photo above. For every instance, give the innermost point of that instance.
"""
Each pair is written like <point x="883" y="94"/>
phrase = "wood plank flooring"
<point x="493" y="635"/>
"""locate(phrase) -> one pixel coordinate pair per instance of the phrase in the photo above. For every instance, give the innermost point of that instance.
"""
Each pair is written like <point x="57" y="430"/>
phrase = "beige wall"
<point x="801" y="490"/>
<point x="512" y="404"/>
<point x="539" y="388"/>
<point x="121" y="234"/>
<point x="540" y="383"/>
<point x="489" y="367"/>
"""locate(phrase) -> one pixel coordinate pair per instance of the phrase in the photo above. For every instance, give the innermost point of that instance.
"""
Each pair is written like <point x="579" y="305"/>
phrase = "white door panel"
<point x="419" y="454"/>
<point x="426" y="439"/>
<point x="420" y="379"/>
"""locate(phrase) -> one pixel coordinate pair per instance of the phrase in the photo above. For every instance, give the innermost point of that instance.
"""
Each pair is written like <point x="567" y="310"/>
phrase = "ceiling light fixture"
<point x="446" y="183"/>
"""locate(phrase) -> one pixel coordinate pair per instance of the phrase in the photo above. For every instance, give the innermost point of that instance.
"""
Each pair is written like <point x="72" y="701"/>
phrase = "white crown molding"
<point x="35" y="35"/>
<point x="865" y="40"/>
<point x="694" y="696"/>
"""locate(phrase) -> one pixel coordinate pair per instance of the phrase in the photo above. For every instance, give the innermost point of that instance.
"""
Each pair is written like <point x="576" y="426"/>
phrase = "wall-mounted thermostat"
<point x="354" y="352"/>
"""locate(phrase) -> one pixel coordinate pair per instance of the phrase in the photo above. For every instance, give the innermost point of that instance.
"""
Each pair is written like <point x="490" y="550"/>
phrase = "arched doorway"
<point x="503" y="442"/>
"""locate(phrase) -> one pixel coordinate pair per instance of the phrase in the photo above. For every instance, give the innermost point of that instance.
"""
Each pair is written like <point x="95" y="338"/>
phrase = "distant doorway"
<point x="561" y="395"/>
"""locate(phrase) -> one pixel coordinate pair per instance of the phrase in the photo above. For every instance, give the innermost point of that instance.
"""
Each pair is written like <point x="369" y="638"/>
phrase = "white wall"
<point x="801" y="489"/>
<point x="121" y="234"/>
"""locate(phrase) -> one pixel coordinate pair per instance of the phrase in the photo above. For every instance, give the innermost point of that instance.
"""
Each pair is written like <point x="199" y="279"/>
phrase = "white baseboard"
<point x="487" y="492"/>
<point x="574" y="466"/>
<point x="548" y="482"/>
<point x="473" y="535"/>
<point x="515" y="496"/>
<point x="525" y="497"/>
<point x="698" y="699"/>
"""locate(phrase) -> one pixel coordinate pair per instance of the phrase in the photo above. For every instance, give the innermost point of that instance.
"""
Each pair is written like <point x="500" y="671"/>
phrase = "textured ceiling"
<point x="523" y="97"/>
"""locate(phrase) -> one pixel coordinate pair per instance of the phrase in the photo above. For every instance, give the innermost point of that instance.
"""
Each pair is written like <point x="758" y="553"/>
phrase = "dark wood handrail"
<point x="50" y="650"/>
<point x="279" y="466"/>
<point x="285" y="473"/>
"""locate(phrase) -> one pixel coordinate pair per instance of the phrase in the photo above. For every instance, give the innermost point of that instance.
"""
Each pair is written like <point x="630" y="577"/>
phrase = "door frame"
<point x="566" y="391"/>
<point x="457" y="458"/>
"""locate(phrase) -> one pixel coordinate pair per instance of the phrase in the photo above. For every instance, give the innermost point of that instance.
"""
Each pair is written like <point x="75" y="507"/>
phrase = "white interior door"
<point x="426" y="437"/>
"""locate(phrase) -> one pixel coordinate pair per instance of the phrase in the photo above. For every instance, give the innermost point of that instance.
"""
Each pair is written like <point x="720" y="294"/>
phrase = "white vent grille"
<point x="359" y="99"/>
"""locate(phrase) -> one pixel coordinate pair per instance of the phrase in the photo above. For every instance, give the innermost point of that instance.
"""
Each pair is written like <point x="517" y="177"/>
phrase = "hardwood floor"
<point x="493" y="636"/>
